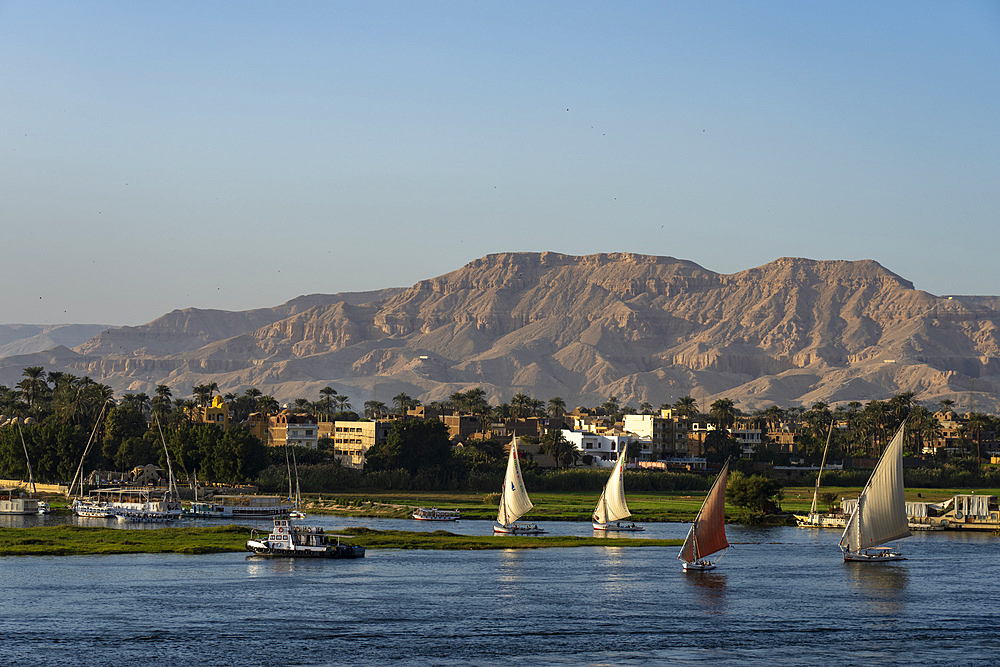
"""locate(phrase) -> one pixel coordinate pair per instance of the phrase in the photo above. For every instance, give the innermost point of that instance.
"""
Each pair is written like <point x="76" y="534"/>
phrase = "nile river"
<point x="780" y="596"/>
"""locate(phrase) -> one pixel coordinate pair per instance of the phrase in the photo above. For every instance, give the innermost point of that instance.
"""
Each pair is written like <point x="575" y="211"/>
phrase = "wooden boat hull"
<point x="698" y="567"/>
<point x="514" y="529"/>
<point x="873" y="557"/>
<point x="618" y="527"/>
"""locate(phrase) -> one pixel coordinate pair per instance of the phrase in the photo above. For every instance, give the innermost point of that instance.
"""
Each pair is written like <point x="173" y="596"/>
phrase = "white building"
<point x="604" y="447"/>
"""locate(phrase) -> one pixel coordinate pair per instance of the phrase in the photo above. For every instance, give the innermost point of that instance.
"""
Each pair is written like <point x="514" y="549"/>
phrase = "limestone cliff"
<point x="640" y="327"/>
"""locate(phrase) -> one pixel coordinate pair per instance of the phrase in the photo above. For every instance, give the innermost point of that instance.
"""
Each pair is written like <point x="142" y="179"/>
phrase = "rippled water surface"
<point x="780" y="596"/>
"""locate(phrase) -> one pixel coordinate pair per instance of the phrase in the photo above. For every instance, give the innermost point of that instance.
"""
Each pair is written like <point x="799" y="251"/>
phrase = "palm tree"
<point x="611" y="406"/>
<point x="557" y="407"/>
<point x="686" y="406"/>
<point x="520" y="405"/>
<point x="977" y="423"/>
<point x="402" y="401"/>
<point x="342" y="402"/>
<point x="555" y="444"/>
<point x="202" y="394"/>
<point x="33" y="384"/>
<point x="723" y="411"/>
<point x="374" y="409"/>
<point x="326" y="398"/>
<point x="267" y="404"/>
<point x="646" y="408"/>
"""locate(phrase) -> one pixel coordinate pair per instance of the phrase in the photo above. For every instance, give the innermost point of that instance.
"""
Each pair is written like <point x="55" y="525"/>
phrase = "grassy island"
<point x="85" y="541"/>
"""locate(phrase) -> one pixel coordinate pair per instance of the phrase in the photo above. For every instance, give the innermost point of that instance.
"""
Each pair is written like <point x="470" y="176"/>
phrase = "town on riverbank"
<point x="71" y="437"/>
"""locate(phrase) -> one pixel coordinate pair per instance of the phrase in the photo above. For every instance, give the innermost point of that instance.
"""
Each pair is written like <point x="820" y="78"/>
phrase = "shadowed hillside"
<point x="639" y="327"/>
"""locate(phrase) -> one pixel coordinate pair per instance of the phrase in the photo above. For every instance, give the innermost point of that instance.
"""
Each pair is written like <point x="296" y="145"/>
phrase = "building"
<point x="605" y="447"/>
<point x="217" y="413"/>
<point x="666" y="433"/>
<point x="352" y="440"/>
<point x="299" y="430"/>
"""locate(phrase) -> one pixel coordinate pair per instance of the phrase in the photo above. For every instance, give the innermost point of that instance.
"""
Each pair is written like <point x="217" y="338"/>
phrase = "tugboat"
<point x="302" y="541"/>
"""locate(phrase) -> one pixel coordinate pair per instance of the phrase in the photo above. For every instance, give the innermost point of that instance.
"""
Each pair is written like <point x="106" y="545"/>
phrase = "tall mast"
<point x="812" y="510"/>
<point x="31" y="476"/>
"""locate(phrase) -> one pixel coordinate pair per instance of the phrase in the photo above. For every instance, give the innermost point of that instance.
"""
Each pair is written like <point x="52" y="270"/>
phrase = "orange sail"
<point x="708" y="533"/>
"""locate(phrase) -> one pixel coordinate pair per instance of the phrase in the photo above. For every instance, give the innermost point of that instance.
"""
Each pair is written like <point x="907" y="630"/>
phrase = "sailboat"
<point x="708" y="532"/>
<point x="880" y="516"/>
<point x="819" y="519"/>
<point x="611" y="508"/>
<point x="514" y="501"/>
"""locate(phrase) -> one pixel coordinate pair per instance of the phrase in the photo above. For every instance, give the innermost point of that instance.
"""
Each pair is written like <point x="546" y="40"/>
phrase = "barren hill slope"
<point x="639" y="327"/>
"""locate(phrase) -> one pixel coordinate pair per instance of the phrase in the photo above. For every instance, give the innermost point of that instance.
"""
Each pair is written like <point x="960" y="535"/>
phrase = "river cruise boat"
<point x="240" y="507"/>
<point x="292" y="541"/>
<point x="434" y="514"/>
<point x="139" y="504"/>
<point x="16" y="501"/>
<point x="92" y="508"/>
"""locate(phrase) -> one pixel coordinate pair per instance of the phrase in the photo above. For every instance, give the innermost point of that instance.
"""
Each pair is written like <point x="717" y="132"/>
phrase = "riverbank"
<point x="677" y="507"/>
<point x="86" y="541"/>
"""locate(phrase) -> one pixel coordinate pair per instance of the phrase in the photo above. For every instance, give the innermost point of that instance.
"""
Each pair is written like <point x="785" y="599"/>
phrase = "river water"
<point x="780" y="596"/>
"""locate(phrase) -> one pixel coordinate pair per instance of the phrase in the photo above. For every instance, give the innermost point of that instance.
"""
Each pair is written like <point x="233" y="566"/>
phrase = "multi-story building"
<point x="300" y="430"/>
<point x="352" y="440"/>
<point x="666" y="432"/>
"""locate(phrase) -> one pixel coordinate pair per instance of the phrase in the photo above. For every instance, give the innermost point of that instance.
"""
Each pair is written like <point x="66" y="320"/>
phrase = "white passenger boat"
<point x="289" y="541"/>
<point x="240" y="507"/>
<point x="434" y="514"/>
<point x="16" y="501"/>
<point x="92" y="508"/>
<point x="141" y="505"/>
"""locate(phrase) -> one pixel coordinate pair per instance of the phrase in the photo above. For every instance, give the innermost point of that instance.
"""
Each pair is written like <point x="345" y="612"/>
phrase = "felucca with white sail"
<point x="611" y="508"/>
<point x="880" y="516"/>
<point x="514" y="501"/>
<point x="707" y="535"/>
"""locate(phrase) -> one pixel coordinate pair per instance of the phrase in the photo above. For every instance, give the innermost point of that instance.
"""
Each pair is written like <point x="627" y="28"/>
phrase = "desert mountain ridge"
<point x="642" y="328"/>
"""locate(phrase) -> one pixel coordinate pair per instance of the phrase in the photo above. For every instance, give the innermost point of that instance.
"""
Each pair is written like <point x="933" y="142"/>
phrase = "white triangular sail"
<point x="611" y="506"/>
<point x="514" y="501"/>
<point x="880" y="516"/>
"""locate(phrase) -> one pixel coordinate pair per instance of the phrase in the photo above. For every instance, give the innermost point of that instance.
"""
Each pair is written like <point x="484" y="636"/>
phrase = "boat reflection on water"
<point x="268" y="567"/>
<point x="882" y="588"/>
<point x="710" y="589"/>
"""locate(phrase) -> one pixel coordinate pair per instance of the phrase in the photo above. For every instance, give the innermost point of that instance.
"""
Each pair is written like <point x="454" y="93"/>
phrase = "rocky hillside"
<point x="642" y="328"/>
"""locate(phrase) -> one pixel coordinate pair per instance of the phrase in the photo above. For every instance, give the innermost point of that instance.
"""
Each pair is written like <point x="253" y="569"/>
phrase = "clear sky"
<point x="162" y="155"/>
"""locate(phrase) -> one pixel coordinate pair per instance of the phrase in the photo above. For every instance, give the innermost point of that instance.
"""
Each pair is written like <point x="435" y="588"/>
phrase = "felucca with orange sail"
<point x="708" y="531"/>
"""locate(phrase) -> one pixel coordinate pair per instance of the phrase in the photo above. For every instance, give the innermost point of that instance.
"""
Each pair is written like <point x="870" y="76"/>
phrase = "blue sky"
<point x="236" y="154"/>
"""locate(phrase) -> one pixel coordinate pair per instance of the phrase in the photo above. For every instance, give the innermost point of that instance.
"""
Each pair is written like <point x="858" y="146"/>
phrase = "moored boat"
<point x="290" y="541"/>
<point x="434" y="514"/>
<point x="611" y="507"/>
<point x="514" y="501"/>
<point x="707" y="535"/>
<point x="92" y="508"/>
<point x="16" y="501"/>
<point x="816" y="519"/>
<point x="880" y="515"/>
